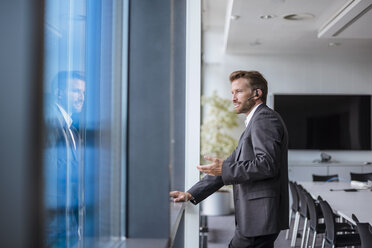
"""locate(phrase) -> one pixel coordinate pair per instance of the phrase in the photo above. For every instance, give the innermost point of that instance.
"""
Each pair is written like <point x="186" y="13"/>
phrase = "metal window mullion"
<point x="118" y="135"/>
<point x="124" y="101"/>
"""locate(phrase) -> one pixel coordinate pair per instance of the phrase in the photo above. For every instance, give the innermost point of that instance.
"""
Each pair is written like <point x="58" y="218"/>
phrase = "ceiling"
<point x="327" y="25"/>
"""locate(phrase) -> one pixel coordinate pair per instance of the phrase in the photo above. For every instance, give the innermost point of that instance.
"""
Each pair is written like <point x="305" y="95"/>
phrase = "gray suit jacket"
<point x="258" y="171"/>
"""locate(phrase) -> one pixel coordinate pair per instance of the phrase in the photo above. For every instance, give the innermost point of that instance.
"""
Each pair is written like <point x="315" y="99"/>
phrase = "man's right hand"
<point x="180" y="196"/>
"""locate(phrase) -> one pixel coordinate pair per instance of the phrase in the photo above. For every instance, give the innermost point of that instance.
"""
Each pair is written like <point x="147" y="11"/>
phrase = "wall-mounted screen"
<point x="326" y="122"/>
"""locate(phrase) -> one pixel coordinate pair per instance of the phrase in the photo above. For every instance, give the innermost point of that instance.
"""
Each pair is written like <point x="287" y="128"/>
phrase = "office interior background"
<point x="146" y="65"/>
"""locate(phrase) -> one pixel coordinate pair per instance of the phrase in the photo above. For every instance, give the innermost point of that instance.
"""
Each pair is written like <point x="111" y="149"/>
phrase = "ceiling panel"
<point x="248" y="33"/>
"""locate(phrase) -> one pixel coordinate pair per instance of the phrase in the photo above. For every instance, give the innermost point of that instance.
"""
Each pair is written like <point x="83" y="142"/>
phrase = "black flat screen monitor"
<point x="326" y="122"/>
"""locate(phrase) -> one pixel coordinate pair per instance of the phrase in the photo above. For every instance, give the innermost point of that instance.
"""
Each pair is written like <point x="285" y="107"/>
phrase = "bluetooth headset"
<point x="249" y="98"/>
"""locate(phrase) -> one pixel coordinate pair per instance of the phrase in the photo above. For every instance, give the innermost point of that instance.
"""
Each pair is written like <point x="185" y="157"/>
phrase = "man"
<point x="62" y="160"/>
<point x="257" y="169"/>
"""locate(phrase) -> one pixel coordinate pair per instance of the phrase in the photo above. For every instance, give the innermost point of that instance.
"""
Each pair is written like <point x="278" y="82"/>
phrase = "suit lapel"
<point x="75" y="135"/>
<point x="240" y="144"/>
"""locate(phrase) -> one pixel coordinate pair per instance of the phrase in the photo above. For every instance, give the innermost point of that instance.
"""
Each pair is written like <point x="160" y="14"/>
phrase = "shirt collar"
<point x="249" y="116"/>
<point x="66" y="116"/>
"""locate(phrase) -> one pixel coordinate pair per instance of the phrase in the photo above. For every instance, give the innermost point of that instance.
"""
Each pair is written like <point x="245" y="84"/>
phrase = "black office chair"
<point x="304" y="213"/>
<point x="361" y="177"/>
<point x="332" y="236"/>
<point x="325" y="178"/>
<point x="365" y="232"/>
<point x="294" y="207"/>
<point x="316" y="215"/>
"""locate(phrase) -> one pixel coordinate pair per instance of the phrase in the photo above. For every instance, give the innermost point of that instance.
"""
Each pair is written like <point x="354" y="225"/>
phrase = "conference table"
<point x="344" y="203"/>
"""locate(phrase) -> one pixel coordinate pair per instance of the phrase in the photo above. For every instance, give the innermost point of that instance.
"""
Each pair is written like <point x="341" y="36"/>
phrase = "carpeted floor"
<point x="221" y="230"/>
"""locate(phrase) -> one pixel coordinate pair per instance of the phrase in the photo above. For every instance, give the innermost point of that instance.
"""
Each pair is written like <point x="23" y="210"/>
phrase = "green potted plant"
<point x="216" y="141"/>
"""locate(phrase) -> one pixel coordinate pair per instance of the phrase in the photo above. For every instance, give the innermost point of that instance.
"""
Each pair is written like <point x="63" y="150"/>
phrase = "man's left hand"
<point x="213" y="169"/>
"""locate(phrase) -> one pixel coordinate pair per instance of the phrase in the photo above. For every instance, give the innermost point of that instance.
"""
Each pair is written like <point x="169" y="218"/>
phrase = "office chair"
<point x="325" y="178"/>
<point x="361" y="177"/>
<point x="304" y="212"/>
<point x="365" y="232"/>
<point x="332" y="235"/>
<point x="294" y="207"/>
<point x="316" y="215"/>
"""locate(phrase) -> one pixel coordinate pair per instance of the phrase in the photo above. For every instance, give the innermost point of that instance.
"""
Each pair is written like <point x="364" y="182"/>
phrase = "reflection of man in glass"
<point x="62" y="160"/>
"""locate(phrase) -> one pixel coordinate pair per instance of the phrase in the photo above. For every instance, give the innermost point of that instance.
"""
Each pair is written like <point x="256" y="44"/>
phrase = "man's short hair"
<point x="60" y="80"/>
<point x="255" y="80"/>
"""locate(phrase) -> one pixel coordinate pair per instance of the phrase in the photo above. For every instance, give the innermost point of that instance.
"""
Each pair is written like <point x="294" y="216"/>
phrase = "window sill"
<point x="177" y="210"/>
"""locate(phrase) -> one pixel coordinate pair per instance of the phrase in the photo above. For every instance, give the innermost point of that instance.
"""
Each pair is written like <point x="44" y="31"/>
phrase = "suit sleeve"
<point x="265" y="140"/>
<point x="205" y="187"/>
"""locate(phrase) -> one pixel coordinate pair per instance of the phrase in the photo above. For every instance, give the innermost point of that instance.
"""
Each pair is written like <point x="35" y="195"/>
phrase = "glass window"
<point x="84" y="154"/>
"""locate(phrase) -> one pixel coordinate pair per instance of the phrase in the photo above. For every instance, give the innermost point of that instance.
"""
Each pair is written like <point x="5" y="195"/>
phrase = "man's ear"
<point x="59" y="94"/>
<point x="259" y="93"/>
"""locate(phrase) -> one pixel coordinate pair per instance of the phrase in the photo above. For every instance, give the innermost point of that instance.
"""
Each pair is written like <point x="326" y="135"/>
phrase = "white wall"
<point x="334" y="72"/>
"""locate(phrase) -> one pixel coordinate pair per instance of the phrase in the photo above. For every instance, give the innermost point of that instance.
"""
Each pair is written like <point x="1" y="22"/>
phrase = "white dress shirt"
<point x="249" y="116"/>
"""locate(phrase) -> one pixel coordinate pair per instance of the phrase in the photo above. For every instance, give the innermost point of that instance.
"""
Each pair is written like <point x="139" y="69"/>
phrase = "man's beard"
<point x="246" y="107"/>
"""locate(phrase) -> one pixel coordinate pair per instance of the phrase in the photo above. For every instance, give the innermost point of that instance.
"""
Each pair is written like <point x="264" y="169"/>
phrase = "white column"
<point x="192" y="118"/>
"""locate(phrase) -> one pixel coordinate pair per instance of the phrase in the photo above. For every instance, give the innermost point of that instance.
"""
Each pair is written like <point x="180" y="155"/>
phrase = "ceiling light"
<point x="234" y="17"/>
<point x="298" y="17"/>
<point x="266" y="17"/>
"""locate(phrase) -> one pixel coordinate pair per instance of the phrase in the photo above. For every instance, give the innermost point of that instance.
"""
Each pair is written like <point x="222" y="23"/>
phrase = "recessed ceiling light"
<point x="298" y="17"/>
<point x="234" y="17"/>
<point x="334" y="44"/>
<point x="266" y="17"/>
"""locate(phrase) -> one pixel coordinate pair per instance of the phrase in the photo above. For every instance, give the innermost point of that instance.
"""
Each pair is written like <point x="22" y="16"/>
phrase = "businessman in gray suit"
<point x="257" y="169"/>
<point x="62" y="160"/>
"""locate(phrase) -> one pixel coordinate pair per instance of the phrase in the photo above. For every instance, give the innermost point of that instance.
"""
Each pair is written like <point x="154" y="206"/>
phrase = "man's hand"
<point x="213" y="169"/>
<point x="180" y="196"/>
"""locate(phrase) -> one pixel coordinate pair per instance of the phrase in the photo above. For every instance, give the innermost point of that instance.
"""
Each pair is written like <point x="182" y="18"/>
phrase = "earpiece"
<point x="249" y="98"/>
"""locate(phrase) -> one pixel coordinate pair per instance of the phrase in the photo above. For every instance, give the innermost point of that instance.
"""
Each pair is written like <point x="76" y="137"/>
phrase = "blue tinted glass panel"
<point x="81" y="145"/>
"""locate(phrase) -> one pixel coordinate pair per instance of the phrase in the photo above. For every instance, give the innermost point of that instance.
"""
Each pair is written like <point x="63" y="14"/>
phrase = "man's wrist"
<point x="190" y="197"/>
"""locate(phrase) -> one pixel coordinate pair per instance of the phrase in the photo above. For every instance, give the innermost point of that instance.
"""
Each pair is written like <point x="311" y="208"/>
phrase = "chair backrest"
<point x="329" y="221"/>
<point x="325" y="178"/>
<point x="295" y="202"/>
<point x="303" y="203"/>
<point x="312" y="208"/>
<point x="365" y="232"/>
<point x="361" y="177"/>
